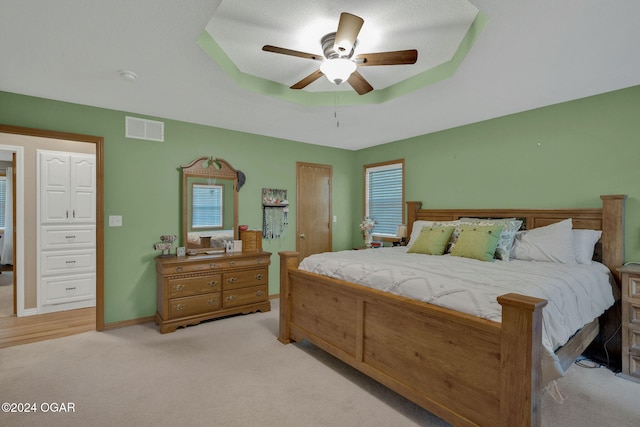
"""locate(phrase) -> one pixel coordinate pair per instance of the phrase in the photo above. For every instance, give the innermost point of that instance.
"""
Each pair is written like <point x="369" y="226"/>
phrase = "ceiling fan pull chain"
<point x="335" y="113"/>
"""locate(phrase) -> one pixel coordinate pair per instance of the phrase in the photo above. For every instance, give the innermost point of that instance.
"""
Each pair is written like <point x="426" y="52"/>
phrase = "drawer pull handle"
<point x="70" y="261"/>
<point x="260" y="261"/>
<point x="212" y="301"/>
<point x="179" y="269"/>
<point x="69" y="237"/>
<point x="70" y="289"/>
<point x="213" y="283"/>
<point x="232" y="297"/>
<point x="179" y="307"/>
<point x="259" y="276"/>
<point x="232" y="280"/>
<point x="260" y="293"/>
<point x="232" y="263"/>
<point x="212" y="266"/>
<point x="179" y="287"/>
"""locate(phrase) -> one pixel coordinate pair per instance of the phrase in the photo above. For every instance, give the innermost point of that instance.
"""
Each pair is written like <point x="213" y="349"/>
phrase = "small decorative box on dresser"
<point x="630" y="275"/>
<point x="196" y="288"/>
<point x="251" y="240"/>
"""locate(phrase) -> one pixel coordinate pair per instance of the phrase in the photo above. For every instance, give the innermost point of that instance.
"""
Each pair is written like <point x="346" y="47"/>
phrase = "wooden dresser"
<point x="630" y="275"/>
<point x="196" y="288"/>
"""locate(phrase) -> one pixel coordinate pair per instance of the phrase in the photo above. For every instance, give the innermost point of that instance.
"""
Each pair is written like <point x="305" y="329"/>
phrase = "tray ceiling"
<point x="529" y="54"/>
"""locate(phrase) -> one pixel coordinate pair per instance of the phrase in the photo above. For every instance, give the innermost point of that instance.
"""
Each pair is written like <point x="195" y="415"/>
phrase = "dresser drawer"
<point x="190" y="306"/>
<point x="186" y="286"/>
<point x="634" y="351"/>
<point x="67" y="237"/>
<point x="242" y="279"/>
<point x="634" y="312"/>
<point x="211" y="264"/>
<point x="57" y="290"/>
<point x="64" y="262"/>
<point x="244" y="296"/>
<point x="634" y="287"/>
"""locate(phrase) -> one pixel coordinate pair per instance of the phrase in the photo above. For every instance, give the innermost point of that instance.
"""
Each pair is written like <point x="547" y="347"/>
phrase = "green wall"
<point x="142" y="184"/>
<point x="565" y="155"/>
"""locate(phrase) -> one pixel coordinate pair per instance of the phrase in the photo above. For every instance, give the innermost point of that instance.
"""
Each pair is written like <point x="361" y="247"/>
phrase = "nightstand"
<point x="630" y="276"/>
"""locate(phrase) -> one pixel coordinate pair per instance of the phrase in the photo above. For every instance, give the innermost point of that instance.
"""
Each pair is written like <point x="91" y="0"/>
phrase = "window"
<point x="207" y="206"/>
<point x="3" y="198"/>
<point x="384" y="196"/>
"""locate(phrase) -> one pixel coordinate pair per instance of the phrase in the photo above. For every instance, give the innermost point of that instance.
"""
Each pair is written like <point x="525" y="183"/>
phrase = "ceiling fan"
<point x="338" y="60"/>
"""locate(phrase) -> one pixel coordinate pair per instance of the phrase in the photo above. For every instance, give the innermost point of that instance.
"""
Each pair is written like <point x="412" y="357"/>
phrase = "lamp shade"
<point x="402" y="231"/>
<point x="338" y="70"/>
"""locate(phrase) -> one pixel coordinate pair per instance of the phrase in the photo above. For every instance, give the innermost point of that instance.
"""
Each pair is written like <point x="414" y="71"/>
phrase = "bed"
<point x="465" y="369"/>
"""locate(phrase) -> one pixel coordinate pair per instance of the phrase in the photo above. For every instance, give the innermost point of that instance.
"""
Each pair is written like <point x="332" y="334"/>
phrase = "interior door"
<point x="15" y="262"/>
<point x="313" y="208"/>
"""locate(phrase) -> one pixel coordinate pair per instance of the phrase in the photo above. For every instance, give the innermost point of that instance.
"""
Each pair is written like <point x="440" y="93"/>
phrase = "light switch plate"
<point x="115" y="220"/>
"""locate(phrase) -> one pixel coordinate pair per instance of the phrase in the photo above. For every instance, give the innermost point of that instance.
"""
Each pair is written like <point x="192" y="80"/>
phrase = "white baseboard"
<point x="29" y="312"/>
<point x="45" y="309"/>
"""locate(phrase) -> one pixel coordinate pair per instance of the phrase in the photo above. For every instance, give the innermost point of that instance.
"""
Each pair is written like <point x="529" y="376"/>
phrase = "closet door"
<point x="54" y="190"/>
<point x="82" y="195"/>
<point x="66" y="234"/>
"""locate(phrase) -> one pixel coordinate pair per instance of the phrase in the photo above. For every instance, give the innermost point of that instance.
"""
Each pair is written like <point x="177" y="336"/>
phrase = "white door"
<point x="66" y="269"/>
<point x="54" y="178"/>
<point x="83" y="189"/>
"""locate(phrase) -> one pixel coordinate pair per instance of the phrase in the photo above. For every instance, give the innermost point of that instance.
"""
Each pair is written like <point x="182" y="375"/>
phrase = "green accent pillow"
<point x="432" y="240"/>
<point x="477" y="241"/>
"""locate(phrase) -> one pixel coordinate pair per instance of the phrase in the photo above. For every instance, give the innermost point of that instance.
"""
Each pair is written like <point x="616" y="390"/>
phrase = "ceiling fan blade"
<point x="359" y="84"/>
<point x="388" y="58"/>
<point x="308" y="80"/>
<point x="283" y="51"/>
<point x="348" y="29"/>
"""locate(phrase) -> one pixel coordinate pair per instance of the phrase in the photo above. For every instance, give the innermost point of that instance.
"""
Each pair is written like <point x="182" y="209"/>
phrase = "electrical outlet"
<point x="115" y="220"/>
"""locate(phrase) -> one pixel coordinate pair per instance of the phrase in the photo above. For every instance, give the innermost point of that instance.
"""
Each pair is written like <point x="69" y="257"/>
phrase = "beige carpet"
<point x="233" y="372"/>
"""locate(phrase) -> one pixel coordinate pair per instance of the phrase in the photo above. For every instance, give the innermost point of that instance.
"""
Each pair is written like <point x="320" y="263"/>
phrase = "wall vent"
<point x="144" y="129"/>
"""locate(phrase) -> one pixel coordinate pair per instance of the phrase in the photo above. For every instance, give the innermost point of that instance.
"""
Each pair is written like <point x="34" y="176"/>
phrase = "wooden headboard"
<point x="609" y="218"/>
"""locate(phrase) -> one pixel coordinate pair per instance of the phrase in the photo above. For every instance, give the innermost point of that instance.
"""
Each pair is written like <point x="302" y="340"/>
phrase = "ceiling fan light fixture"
<point x="338" y="70"/>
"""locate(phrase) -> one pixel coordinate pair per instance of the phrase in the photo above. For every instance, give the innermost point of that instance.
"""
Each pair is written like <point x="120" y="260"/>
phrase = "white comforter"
<point x="576" y="294"/>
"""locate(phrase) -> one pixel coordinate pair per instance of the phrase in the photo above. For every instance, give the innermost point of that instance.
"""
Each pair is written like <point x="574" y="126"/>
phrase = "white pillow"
<point x="584" y="243"/>
<point x="552" y="243"/>
<point x="417" y="228"/>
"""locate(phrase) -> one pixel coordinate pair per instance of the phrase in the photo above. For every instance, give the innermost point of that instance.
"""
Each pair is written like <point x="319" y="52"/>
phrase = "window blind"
<point x="3" y="199"/>
<point x="207" y="206"/>
<point x="384" y="198"/>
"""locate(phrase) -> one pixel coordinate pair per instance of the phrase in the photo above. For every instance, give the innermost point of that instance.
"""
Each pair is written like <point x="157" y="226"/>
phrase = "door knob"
<point x="302" y="236"/>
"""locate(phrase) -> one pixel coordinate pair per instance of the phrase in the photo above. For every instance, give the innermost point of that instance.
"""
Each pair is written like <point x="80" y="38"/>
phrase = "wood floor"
<point x="22" y="330"/>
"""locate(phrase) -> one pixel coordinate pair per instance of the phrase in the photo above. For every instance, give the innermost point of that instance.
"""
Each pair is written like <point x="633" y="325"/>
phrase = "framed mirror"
<point x="209" y="204"/>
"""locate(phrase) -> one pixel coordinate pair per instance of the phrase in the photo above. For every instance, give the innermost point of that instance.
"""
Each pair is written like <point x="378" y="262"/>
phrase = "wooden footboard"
<point x="466" y="370"/>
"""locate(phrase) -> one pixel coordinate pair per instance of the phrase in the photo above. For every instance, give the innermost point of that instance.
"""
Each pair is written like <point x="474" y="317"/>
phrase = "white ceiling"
<point x="531" y="53"/>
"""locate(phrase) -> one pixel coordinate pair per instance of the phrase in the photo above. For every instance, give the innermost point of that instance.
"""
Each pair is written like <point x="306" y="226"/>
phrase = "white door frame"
<point x="18" y="251"/>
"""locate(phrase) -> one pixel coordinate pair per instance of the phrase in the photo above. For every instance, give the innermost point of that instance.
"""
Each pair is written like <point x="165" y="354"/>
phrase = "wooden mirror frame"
<point x="209" y="168"/>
